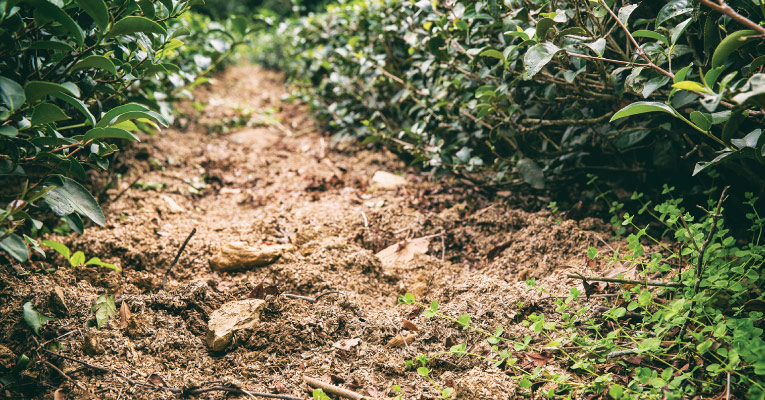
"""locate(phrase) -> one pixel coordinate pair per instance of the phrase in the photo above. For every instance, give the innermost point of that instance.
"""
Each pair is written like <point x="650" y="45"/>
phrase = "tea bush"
<point x="76" y="79"/>
<point x="539" y="89"/>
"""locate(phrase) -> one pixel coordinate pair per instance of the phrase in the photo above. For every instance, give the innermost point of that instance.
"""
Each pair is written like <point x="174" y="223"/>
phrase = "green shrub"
<point x="540" y="89"/>
<point x="78" y="77"/>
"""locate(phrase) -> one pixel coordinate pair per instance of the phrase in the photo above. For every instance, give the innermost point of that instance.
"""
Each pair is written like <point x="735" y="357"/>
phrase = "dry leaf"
<point x="260" y="291"/>
<point x="124" y="314"/>
<point x="59" y="394"/>
<point x="410" y="326"/>
<point x="347" y="344"/>
<point x="403" y="251"/>
<point x="538" y="359"/>
<point x="157" y="380"/>
<point x="755" y="305"/>
<point x="399" y="340"/>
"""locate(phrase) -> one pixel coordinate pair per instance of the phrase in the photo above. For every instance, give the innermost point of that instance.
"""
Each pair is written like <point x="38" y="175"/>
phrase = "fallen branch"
<point x="332" y="389"/>
<point x="625" y="281"/>
<point x="177" y="256"/>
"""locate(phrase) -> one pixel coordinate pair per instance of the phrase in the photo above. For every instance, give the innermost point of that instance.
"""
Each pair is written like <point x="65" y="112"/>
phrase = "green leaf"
<point x="45" y="113"/>
<point x="60" y="248"/>
<point x="592" y="253"/>
<point x="731" y="43"/>
<point x="653" y="85"/>
<point x="625" y="12"/>
<point x="678" y="30"/>
<point x="33" y="318"/>
<point x="46" y="11"/>
<point x="464" y="321"/>
<point x="132" y="115"/>
<point x="133" y="24"/>
<point x="702" y="120"/>
<point x="616" y="391"/>
<point x="115" y="112"/>
<point x="651" y="35"/>
<point x="78" y="258"/>
<point x="104" y="308"/>
<point x="691" y="86"/>
<point x="77" y="104"/>
<point x="673" y="9"/>
<point x="642" y="107"/>
<point x="51" y="45"/>
<point x="8" y="131"/>
<point x="598" y="46"/>
<point x="109" y="133"/>
<point x="15" y="246"/>
<point x="11" y="94"/>
<point x="99" y="62"/>
<point x="36" y="90"/>
<point x="531" y="173"/>
<point x="97" y="261"/>
<point x="72" y="196"/>
<point x="538" y="56"/>
<point x="543" y="25"/>
<point x="147" y="6"/>
<point x="97" y="10"/>
<point x="493" y="53"/>
<point x="423" y="371"/>
<point x="753" y="91"/>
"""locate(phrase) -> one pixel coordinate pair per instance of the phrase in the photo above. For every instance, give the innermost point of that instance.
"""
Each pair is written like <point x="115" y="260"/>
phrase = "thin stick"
<point x="78" y="384"/>
<point x="687" y="229"/>
<point x="700" y="261"/>
<point x="177" y="256"/>
<point x="309" y="298"/>
<point x="332" y="389"/>
<point x="236" y="390"/>
<point x="626" y="281"/>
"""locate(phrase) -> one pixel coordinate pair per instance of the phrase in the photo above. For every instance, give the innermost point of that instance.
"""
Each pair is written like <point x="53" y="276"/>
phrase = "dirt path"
<point x="280" y="183"/>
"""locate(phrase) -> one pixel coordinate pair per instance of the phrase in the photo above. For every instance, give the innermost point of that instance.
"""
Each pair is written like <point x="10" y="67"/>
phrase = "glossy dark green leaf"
<point x="36" y="90"/>
<point x="702" y="120"/>
<point x="643" y="33"/>
<point x="11" y="94"/>
<point x="69" y="194"/>
<point x="99" y="62"/>
<point x="78" y="105"/>
<point x="46" y="112"/>
<point x="673" y="9"/>
<point x="133" y="24"/>
<point x="34" y="318"/>
<point x="97" y="10"/>
<point x="51" y="45"/>
<point x="48" y="12"/>
<point x="108" y="133"/>
<point x="538" y="56"/>
<point x="115" y="112"/>
<point x="15" y="247"/>
<point x="642" y="107"/>
<point x="147" y="6"/>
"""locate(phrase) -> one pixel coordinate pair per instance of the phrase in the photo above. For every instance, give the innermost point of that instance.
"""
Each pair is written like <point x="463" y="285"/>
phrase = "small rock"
<point x="92" y="343"/>
<point x="172" y="206"/>
<point x="7" y="359"/>
<point x="231" y="317"/>
<point x="387" y="181"/>
<point x="237" y="256"/>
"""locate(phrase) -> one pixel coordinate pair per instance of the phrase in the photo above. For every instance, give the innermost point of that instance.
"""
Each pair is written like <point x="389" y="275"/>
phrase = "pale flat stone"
<point x="387" y="181"/>
<point x="231" y="317"/>
<point x="237" y="256"/>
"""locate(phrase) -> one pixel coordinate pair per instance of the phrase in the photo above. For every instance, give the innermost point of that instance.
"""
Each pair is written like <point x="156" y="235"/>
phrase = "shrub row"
<point x="540" y="90"/>
<point x="76" y="79"/>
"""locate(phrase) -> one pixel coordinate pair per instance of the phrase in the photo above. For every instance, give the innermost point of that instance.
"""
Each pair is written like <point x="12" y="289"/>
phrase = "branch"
<point x="723" y="8"/>
<point x="639" y="50"/>
<point x="566" y="122"/>
<point x="332" y="389"/>
<point x="177" y="256"/>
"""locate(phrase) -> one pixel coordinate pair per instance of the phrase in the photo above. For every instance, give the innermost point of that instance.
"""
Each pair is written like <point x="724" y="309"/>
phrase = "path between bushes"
<point x="278" y="183"/>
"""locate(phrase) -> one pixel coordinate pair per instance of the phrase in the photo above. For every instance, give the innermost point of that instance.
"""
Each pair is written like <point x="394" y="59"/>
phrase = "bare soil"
<point x="277" y="179"/>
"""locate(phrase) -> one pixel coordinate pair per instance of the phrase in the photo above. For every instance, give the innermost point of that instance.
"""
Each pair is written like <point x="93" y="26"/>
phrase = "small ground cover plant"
<point x="690" y="324"/>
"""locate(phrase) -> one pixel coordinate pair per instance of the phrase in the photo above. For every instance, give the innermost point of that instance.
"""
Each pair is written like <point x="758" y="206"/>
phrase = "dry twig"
<point x="332" y="389"/>
<point x="177" y="256"/>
